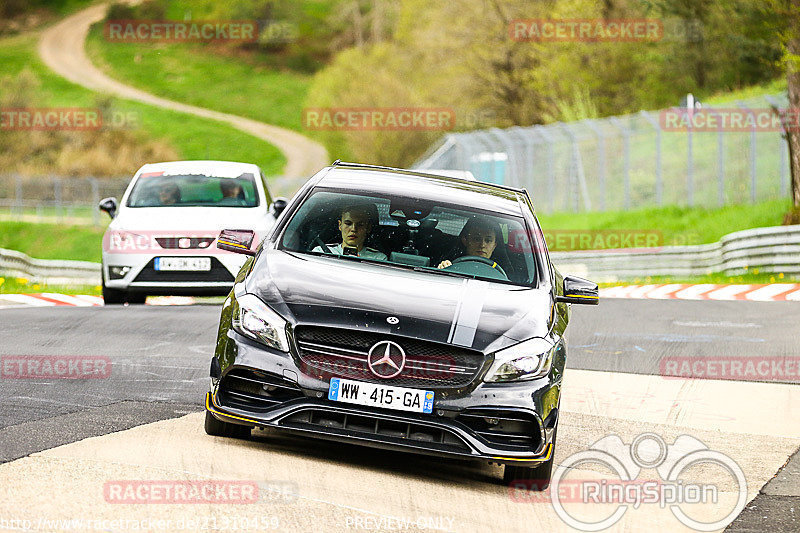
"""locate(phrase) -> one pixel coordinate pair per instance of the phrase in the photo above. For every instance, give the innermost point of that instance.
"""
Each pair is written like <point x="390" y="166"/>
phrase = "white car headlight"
<point x="253" y="318"/>
<point x="527" y="360"/>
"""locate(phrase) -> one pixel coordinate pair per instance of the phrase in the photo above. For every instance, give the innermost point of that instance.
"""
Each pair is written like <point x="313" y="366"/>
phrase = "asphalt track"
<point x="61" y="441"/>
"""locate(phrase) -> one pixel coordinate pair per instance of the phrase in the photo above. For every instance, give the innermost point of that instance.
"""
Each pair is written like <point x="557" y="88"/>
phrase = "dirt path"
<point x="62" y="49"/>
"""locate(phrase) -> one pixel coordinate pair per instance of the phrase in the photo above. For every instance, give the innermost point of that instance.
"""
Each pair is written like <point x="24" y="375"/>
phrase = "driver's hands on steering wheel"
<point x="445" y="264"/>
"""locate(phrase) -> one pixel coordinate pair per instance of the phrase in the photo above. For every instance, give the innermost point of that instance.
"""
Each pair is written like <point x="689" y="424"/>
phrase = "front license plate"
<point x="193" y="264"/>
<point x="373" y="395"/>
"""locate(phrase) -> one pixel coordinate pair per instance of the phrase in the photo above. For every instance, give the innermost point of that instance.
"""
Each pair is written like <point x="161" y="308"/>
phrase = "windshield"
<point x="194" y="190"/>
<point x="413" y="233"/>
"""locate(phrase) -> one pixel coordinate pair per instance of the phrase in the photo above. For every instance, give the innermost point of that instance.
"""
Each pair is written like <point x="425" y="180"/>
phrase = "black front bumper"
<point x="450" y="434"/>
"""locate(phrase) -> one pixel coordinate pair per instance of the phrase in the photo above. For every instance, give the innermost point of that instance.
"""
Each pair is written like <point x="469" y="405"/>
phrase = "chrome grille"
<point x="332" y="352"/>
<point x="185" y="243"/>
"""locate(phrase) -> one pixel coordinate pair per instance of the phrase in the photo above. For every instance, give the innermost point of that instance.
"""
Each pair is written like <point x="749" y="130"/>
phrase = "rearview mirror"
<point x="579" y="291"/>
<point x="278" y="206"/>
<point x="236" y="240"/>
<point x="109" y="205"/>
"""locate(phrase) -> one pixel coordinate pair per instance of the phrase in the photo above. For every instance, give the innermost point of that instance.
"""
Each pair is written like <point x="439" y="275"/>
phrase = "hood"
<point x="330" y="291"/>
<point x="196" y="219"/>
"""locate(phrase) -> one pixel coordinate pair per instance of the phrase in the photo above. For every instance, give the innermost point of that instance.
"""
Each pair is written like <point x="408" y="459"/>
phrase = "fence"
<point x="74" y="200"/>
<point x="626" y="162"/>
<point x="56" y="199"/>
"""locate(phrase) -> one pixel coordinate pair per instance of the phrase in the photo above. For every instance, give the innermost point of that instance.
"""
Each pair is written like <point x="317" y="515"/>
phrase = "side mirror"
<point x="278" y="206"/>
<point x="236" y="240"/>
<point x="109" y="205"/>
<point x="579" y="291"/>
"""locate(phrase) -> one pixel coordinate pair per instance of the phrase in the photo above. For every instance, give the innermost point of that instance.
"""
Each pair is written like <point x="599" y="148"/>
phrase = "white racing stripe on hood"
<point x="468" y="312"/>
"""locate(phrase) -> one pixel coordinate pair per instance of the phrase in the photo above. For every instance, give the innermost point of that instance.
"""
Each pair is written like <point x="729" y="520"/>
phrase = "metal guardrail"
<point x="772" y="249"/>
<point x="13" y="263"/>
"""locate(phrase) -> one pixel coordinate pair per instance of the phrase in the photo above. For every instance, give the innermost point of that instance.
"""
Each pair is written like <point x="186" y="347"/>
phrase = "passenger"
<point x="479" y="237"/>
<point x="169" y="193"/>
<point x="355" y="224"/>
<point x="231" y="189"/>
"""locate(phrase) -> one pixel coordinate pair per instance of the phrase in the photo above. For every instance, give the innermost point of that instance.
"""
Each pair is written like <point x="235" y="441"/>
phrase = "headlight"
<point x="527" y="360"/>
<point x="252" y="318"/>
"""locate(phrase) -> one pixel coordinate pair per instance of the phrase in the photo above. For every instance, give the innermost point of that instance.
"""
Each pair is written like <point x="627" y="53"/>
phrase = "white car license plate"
<point x="195" y="264"/>
<point x="373" y="395"/>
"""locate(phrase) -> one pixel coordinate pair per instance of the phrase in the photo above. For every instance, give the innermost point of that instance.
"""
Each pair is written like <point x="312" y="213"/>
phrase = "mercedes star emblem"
<point x="386" y="359"/>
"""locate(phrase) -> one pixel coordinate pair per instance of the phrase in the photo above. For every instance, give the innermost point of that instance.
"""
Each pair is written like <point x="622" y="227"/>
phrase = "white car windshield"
<point x="194" y="190"/>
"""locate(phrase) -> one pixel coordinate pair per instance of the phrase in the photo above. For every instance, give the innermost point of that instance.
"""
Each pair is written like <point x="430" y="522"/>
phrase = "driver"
<point x="478" y="238"/>
<point x="355" y="224"/>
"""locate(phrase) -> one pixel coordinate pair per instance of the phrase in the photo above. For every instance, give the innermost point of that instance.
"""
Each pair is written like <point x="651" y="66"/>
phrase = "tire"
<point x="217" y="428"/>
<point x="119" y="296"/>
<point x="113" y="296"/>
<point x="535" y="478"/>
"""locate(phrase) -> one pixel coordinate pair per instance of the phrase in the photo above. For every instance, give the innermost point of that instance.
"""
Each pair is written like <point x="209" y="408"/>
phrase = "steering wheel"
<point x="321" y="243"/>
<point x="479" y="259"/>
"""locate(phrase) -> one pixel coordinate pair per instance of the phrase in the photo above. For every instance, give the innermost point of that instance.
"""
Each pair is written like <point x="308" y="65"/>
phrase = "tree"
<point x="793" y="80"/>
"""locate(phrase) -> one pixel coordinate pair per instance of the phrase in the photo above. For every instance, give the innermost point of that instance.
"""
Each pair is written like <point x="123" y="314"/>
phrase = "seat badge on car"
<point x="386" y="359"/>
<point x="393" y="320"/>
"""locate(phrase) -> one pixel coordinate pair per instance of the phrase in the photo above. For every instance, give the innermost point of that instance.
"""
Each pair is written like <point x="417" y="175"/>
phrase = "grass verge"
<point x="52" y="241"/>
<point x="755" y="277"/>
<point x="675" y="225"/>
<point x="191" y="74"/>
<point x="192" y="137"/>
<point x="13" y="285"/>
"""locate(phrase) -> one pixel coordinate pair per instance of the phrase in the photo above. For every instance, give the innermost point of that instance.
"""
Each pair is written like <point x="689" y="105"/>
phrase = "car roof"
<point x="387" y="180"/>
<point x="215" y="168"/>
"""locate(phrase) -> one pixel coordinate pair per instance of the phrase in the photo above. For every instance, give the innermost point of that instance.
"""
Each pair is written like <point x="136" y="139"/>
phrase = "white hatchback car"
<point x="162" y="238"/>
